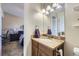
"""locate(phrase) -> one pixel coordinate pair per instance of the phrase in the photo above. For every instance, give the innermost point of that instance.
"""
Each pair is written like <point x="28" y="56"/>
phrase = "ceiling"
<point x="16" y="9"/>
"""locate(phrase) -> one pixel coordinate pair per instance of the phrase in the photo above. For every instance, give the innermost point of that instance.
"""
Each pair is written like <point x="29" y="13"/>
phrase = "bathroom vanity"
<point x="47" y="47"/>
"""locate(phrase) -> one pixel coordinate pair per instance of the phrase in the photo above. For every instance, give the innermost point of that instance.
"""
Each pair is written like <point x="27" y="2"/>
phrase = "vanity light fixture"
<point x="50" y="9"/>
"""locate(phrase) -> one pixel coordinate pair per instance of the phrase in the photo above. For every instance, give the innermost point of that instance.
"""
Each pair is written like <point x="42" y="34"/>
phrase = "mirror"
<point x="49" y="17"/>
<point x="55" y="14"/>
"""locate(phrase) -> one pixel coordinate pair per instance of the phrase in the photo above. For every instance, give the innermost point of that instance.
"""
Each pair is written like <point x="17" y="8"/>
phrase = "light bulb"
<point x="54" y="5"/>
<point x="48" y="8"/>
<point x="58" y="6"/>
<point x="43" y="11"/>
<point x="52" y="10"/>
<point x="47" y="12"/>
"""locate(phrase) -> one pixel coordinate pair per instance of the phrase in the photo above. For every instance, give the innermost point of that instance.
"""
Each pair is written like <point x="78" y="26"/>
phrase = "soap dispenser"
<point x="49" y="31"/>
<point x="37" y="32"/>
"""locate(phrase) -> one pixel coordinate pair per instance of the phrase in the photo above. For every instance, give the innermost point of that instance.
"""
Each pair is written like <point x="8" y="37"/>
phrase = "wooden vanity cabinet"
<point x="44" y="50"/>
<point x="34" y="48"/>
<point x="41" y="53"/>
<point x="39" y="49"/>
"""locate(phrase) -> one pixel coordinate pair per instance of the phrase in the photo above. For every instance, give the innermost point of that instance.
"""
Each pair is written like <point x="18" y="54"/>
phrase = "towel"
<point x="61" y="52"/>
<point x="76" y="51"/>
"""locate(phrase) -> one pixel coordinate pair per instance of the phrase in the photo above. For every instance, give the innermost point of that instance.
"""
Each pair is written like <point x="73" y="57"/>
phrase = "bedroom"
<point x="12" y="29"/>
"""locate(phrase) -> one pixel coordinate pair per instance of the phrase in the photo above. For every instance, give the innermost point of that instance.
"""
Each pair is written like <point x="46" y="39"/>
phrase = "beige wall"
<point x="11" y="21"/>
<point x="32" y="17"/>
<point x="72" y="33"/>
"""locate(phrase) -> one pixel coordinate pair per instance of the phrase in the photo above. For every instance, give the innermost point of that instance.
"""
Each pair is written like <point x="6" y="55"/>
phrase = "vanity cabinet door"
<point x="41" y="53"/>
<point x="39" y="49"/>
<point x="34" y="51"/>
<point x="45" y="50"/>
<point x="34" y="48"/>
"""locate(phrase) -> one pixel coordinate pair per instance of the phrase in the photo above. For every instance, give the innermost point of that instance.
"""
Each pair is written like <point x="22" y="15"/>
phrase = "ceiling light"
<point x="48" y="8"/>
<point x="43" y="11"/>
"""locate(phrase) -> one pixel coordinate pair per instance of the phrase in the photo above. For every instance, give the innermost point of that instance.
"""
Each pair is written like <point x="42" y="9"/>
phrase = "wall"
<point x="11" y="21"/>
<point x="0" y="28"/>
<point x="32" y="16"/>
<point x="71" y="33"/>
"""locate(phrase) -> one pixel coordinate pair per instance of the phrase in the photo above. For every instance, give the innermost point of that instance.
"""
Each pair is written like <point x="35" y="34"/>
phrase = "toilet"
<point x="76" y="51"/>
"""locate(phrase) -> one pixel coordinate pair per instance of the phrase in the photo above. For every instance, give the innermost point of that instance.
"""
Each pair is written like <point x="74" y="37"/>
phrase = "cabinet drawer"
<point x="34" y="43"/>
<point x="45" y="50"/>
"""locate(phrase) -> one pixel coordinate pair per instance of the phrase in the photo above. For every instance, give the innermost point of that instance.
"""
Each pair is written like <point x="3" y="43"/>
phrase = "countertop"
<point x="51" y="43"/>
